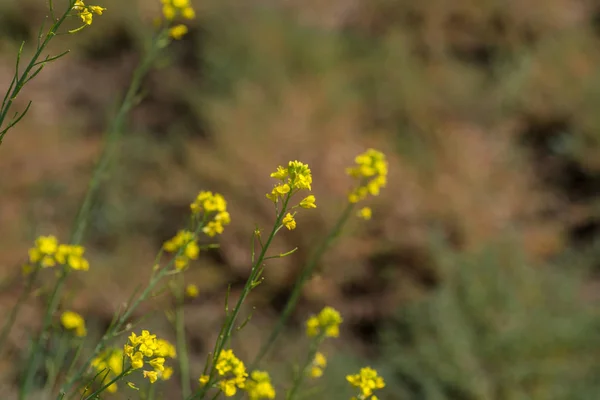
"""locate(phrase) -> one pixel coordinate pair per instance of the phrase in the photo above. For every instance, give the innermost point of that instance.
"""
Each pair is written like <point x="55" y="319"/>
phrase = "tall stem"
<point x="182" y="353"/>
<point x="306" y="273"/>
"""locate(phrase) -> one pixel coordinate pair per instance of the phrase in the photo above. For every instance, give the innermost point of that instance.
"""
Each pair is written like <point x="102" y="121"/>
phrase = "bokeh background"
<point x="477" y="277"/>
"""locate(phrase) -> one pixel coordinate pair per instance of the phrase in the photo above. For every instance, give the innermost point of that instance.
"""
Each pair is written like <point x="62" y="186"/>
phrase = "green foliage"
<point x="497" y="327"/>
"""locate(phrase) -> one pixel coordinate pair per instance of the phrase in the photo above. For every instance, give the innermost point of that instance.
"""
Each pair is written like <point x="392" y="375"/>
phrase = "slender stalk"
<point x="314" y="347"/>
<point x="182" y="353"/>
<point x="306" y="273"/>
<point x="106" y="385"/>
<point x="20" y="81"/>
<point x="231" y="318"/>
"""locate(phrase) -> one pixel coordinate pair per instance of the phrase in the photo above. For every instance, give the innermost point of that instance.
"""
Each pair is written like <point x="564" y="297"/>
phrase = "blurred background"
<point x="477" y="277"/>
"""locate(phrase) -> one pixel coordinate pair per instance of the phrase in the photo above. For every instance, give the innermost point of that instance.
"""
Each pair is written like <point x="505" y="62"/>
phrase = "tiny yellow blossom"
<point x="184" y="241"/>
<point x="151" y="375"/>
<point x="86" y="13"/>
<point x="73" y="321"/>
<point x="289" y="221"/>
<point x="371" y="171"/>
<point x="174" y="8"/>
<point x="140" y="349"/>
<point x="178" y="31"/>
<point x="191" y="290"/>
<point x="297" y="176"/>
<point x="367" y="381"/>
<point x="259" y="386"/>
<point x="308" y="202"/>
<point x="364" y="213"/>
<point x="318" y="365"/>
<point x="203" y="379"/>
<point x="326" y="323"/>
<point x="233" y="371"/>
<point x="166" y="374"/>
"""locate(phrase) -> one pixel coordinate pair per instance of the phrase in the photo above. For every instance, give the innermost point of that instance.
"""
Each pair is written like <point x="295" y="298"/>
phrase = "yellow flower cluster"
<point x="234" y="371"/>
<point x="86" y="13"/>
<point x="259" y="386"/>
<point x="295" y="177"/>
<point x="184" y="242"/>
<point x="174" y="8"/>
<point x="215" y="212"/>
<point x="368" y="381"/>
<point x="371" y="170"/>
<point x="318" y="365"/>
<point x="109" y="360"/>
<point x="147" y="348"/>
<point x="48" y="253"/>
<point x="326" y="323"/>
<point x="70" y="320"/>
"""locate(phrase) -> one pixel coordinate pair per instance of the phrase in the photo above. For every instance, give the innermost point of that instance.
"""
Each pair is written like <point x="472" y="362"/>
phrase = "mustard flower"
<point x="233" y="371"/>
<point x="318" y="365"/>
<point x="289" y="222"/>
<point x="259" y="386"/>
<point x="297" y="176"/>
<point x="44" y="251"/>
<point x="178" y="31"/>
<point x="48" y="253"/>
<point x="371" y="171"/>
<point x="191" y="290"/>
<point x="109" y="360"/>
<point x="174" y="8"/>
<point x="214" y="210"/>
<point x="166" y="374"/>
<point x="86" y="13"/>
<point x="308" y="202"/>
<point x="326" y="323"/>
<point x="184" y="241"/>
<point x="146" y="348"/>
<point x="367" y="381"/>
<point x="70" y="320"/>
<point x="365" y="213"/>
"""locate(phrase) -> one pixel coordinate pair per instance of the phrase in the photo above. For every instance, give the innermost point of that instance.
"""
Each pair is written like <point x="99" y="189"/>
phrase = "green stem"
<point x="302" y="373"/>
<point x="182" y="353"/>
<point x="94" y="395"/>
<point x="23" y="79"/>
<point x="306" y="273"/>
<point x="231" y="318"/>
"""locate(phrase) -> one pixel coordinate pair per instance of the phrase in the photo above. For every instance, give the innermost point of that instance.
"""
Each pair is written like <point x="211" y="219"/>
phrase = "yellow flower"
<point x="259" y="386"/>
<point x="140" y="348"/>
<point x="289" y="221"/>
<point x="308" y="202"/>
<point x="86" y="13"/>
<point x="151" y="375"/>
<point x="184" y="241"/>
<point x="364" y="213"/>
<point x="97" y="9"/>
<point x="371" y="171"/>
<point x="368" y="381"/>
<point x="233" y="370"/>
<point x="327" y="323"/>
<point x="178" y="31"/>
<point x="191" y="290"/>
<point x="44" y="251"/>
<point x="166" y="374"/>
<point x="158" y="364"/>
<point x="318" y="364"/>
<point x="203" y="380"/>
<point x="173" y="8"/>
<point x="215" y="212"/>
<point x="73" y="321"/>
<point x="295" y="177"/>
